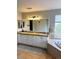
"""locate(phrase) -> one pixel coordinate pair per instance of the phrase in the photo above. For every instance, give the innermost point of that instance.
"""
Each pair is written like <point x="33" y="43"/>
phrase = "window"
<point x="57" y="30"/>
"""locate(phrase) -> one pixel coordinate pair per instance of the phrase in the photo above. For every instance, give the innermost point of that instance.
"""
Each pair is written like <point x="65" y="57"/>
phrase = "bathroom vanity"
<point x="36" y="39"/>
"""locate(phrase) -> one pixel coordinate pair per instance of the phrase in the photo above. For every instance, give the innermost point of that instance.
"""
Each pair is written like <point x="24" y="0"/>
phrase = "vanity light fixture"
<point x="29" y="8"/>
<point x="34" y="18"/>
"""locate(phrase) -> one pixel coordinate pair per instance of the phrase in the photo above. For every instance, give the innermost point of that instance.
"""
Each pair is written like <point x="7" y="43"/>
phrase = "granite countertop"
<point x="34" y="33"/>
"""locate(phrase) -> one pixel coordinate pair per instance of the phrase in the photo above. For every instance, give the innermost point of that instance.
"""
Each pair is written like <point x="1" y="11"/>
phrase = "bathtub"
<point x="56" y="43"/>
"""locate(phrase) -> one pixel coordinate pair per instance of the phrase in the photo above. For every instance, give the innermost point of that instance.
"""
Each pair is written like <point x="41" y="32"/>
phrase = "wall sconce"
<point x="34" y="18"/>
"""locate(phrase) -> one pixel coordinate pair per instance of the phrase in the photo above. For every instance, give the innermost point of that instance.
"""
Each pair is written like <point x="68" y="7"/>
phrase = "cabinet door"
<point x="40" y="41"/>
<point x="37" y="41"/>
<point x="18" y="38"/>
<point x="27" y="39"/>
<point x="44" y="41"/>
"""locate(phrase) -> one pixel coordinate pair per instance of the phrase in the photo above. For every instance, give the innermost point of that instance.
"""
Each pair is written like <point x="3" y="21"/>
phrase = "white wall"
<point x="19" y="16"/>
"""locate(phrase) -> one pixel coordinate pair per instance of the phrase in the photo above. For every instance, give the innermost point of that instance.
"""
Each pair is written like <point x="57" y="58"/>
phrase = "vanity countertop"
<point x="34" y="33"/>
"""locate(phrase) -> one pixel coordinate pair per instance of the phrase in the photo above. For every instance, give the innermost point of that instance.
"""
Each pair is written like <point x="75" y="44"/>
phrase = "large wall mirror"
<point x="34" y="25"/>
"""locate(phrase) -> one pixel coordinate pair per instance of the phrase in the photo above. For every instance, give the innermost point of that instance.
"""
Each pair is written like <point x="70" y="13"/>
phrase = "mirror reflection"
<point x="33" y="25"/>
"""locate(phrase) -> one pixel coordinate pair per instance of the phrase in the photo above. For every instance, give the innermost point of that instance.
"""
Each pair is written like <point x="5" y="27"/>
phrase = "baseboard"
<point x="31" y="46"/>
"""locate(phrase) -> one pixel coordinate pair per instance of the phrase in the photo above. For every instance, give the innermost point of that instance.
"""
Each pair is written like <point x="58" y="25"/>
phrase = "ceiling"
<point x="37" y="5"/>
